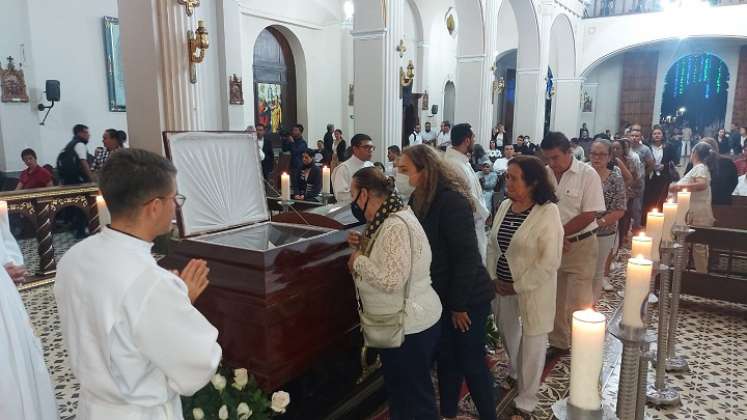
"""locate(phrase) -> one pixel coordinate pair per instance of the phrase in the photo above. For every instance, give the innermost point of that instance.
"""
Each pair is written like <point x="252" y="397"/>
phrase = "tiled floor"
<point x="713" y="335"/>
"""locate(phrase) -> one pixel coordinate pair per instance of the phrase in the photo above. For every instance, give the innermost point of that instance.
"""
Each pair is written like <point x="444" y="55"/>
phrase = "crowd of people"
<point x="452" y="235"/>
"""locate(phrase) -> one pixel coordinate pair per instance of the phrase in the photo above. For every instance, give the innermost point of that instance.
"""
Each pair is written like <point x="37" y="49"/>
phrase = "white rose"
<point x="223" y="413"/>
<point x="198" y="414"/>
<point x="218" y="381"/>
<point x="244" y="411"/>
<point x="280" y="401"/>
<point x="240" y="378"/>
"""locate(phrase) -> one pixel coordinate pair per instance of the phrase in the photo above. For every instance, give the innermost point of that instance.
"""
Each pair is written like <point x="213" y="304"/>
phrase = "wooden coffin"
<point x="280" y="292"/>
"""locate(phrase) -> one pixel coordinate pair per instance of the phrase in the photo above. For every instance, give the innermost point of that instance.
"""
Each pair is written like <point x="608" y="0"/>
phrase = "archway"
<point x="449" y="101"/>
<point x="695" y="90"/>
<point x="562" y="95"/>
<point x="504" y="90"/>
<point x="274" y="81"/>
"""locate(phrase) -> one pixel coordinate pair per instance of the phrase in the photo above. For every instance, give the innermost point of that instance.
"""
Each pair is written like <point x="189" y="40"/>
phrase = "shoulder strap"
<point x="408" y="282"/>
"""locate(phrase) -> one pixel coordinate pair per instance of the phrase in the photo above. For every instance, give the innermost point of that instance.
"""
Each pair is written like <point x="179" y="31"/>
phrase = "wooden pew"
<point x="727" y="281"/>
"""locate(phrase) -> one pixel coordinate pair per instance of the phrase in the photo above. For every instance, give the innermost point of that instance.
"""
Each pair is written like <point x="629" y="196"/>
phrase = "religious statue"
<point x="236" y="90"/>
<point x="351" y="95"/>
<point x="13" y="83"/>
<point x="425" y="101"/>
<point x="587" y="106"/>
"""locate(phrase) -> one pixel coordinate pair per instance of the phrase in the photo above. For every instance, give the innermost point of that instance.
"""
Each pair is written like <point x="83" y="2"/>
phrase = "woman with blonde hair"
<point x="442" y="203"/>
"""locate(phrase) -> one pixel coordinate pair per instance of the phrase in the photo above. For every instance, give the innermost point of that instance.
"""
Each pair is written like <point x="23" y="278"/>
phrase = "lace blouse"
<point x="381" y="276"/>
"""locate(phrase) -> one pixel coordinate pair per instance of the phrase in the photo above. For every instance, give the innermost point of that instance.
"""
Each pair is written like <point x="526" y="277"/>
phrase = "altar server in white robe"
<point x="134" y="339"/>
<point x="25" y="387"/>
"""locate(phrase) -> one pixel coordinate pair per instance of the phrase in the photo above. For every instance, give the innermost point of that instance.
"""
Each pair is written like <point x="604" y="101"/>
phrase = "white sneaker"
<point x="606" y="284"/>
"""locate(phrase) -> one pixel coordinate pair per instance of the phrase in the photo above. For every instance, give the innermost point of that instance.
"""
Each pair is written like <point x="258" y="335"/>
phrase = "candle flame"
<point x="684" y="190"/>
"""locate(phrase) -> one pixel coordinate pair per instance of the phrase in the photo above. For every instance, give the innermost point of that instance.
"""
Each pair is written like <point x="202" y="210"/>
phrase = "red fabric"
<point x="38" y="178"/>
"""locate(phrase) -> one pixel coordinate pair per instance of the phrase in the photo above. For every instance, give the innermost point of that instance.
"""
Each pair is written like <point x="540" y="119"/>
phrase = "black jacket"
<point x="268" y="163"/>
<point x="457" y="272"/>
<point x="309" y="186"/>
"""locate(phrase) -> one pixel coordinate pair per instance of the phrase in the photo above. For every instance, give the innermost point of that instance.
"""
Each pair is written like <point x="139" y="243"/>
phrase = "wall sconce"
<point x="197" y="44"/>
<point x="406" y="78"/>
<point x="189" y="5"/>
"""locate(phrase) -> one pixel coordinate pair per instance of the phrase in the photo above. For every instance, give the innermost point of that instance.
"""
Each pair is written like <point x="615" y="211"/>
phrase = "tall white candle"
<point x="4" y="211"/>
<point x="587" y="348"/>
<point x="654" y="228"/>
<point x="670" y="215"/>
<point x="104" y="216"/>
<point x="325" y="180"/>
<point x="683" y="206"/>
<point x="641" y="245"/>
<point x="637" y="285"/>
<point x="285" y="190"/>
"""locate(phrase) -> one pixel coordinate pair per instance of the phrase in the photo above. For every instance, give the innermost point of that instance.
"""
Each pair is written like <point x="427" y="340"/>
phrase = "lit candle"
<point x="285" y="190"/>
<point x="637" y="285"/>
<point x="641" y="245"/>
<point x="4" y="211"/>
<point x="325" y="180"/>
<point x="654" y="227"/>
<point x="587" y="348"/>
<point x="104" y="217"/>
<point x="683" y="206"/>
<point x="670" y="215"/>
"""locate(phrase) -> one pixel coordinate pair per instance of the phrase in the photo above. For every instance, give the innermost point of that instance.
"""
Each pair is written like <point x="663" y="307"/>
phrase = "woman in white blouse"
<point x="698" y="181"/>
<point x="524" y="252"/>
<point x="392" y="251"/>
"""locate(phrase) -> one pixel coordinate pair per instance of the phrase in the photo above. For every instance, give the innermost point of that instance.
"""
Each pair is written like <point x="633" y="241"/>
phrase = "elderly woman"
<point x="698" y="181"/>
<point x="524" y="252"/>
<point x="392" y="265"/>
<point x="613" y="188"/>
<point x="442" y="203"/>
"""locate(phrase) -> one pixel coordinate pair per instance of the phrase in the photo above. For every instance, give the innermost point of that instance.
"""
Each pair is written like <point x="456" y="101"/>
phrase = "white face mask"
<point x="402" y="183"/>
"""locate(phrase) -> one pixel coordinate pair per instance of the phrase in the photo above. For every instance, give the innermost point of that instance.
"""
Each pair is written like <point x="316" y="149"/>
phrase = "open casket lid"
<point x="220" y="175"/>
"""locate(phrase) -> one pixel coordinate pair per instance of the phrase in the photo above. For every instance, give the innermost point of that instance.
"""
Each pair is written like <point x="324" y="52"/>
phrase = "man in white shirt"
<point x="646" y="156"/>
<point x="501" y="164"/>
<point x="428" y="136"/>
<point x="444" y="136"/>
<point x="579" y="191"/>
<point x="135" y="341"/>
<point x="415" y="137"/>
<point x="741" y="188"/>
<point x="362" y="148"/>
<point x="392" y="155"/>
<point x="462" y="142"/>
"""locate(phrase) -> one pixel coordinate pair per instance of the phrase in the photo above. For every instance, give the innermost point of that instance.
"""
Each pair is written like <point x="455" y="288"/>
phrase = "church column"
<point x="568" y="106"/>
<point x="469" y="91"/>
<point x="421" y="78"/>
<point x="153" y="36"/>
<point x="529" y="105"/>
<point x="487" y="109"/>
<point x="378" y="29"/>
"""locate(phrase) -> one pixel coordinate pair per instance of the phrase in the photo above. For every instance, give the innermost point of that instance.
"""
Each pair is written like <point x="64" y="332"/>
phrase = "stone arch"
<point x="562" y="48"/>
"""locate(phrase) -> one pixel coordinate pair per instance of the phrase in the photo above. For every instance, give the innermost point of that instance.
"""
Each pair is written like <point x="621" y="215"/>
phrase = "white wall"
<point x="508" y="31"/>
<point x="608" y="78"/>
<point x="63" y="41"/>
<point x="441" y="60"/>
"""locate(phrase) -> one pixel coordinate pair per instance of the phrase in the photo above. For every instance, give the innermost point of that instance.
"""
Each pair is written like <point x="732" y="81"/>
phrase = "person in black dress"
<point x="309" y="183"/>
<point x="657" y="183"/>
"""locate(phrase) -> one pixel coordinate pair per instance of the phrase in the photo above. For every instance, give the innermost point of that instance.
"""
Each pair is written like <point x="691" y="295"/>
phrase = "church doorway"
<point x="695" y="90"/>
<point x="449" y="100"/>
<point x="274" y="81"/>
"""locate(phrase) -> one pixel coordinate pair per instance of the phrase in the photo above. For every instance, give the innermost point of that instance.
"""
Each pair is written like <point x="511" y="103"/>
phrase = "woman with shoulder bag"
<point x="525" y="247"/>
<point x="399" y="309"/>
<point x="441" y="201"/>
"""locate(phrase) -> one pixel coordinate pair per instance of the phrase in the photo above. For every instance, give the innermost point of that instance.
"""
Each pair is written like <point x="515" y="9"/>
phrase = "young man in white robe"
<point x="25" y="386"/>
<point x="135" y="341"/>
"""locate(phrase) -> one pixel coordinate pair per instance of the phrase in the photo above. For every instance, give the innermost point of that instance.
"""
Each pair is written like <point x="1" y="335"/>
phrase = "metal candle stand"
<point x="676" y="363"/>
<point x="325" y="198"/>
<point x="286" y="205"/>
<point x="627" y="391"/>
<point x="660" y="394"/>
<point x="576" y="413"/>
<point x="646" y="347"/>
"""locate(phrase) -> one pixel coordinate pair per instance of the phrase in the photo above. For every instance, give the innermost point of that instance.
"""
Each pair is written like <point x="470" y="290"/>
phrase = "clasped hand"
<point x="195" y="276"/>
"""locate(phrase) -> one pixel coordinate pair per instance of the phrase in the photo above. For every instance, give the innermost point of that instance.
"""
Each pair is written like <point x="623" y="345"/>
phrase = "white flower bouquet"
<point x="233" y="394"/>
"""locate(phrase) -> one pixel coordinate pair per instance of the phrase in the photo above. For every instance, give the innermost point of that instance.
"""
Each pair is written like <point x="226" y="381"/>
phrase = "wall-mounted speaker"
<point x="52" y="90"/>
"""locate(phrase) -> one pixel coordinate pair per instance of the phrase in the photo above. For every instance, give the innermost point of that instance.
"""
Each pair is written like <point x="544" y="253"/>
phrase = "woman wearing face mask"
<point x="443" y="204"/>
<point x="393" y="261"/>
<point x="309" y="181"/>
<point x="524" y="251"/>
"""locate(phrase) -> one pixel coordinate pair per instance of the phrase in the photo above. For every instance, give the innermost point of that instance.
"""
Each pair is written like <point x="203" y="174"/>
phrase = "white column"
<point x="153" y="36"/>
<point x="567" y="104"/>
<point x="378" y="28"/>
<point x="421" y="78"/>
<point x="529" y="105"/>
<point x="469" y="90"/>
<point x="231" y="54"/>
<point x="484" y="129"/>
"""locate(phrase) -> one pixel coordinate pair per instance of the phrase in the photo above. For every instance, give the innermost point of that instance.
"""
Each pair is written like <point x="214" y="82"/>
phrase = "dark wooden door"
<point x="274" y="81"/>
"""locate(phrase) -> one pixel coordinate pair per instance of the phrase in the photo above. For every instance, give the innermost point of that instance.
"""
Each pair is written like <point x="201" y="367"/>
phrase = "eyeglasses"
<point x="178" y="199"/>
<point x="368" y="147"/>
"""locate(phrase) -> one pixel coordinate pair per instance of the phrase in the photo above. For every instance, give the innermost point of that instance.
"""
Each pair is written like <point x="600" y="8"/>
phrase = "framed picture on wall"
<point x="269" y="105"/>
<point x="114" y="69"/>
